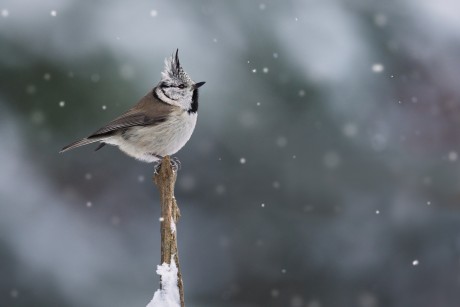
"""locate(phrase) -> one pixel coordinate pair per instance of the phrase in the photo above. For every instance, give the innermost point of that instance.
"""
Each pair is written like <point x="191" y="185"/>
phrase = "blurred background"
<point x="324" y="169"/>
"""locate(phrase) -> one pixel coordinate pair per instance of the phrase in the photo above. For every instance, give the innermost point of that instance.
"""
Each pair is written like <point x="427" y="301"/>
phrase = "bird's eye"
<point x="181" y="86"/>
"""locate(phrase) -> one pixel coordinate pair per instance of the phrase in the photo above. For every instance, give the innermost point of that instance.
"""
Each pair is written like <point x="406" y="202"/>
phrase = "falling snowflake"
<point x="377" y="68"/>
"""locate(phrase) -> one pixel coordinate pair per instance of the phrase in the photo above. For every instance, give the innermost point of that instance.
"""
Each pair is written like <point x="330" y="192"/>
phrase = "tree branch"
<point x="165" y="180"/>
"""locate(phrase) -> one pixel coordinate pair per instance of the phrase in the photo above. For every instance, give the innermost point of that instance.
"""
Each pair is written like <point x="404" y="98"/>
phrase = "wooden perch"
<point x="165" y="180"/>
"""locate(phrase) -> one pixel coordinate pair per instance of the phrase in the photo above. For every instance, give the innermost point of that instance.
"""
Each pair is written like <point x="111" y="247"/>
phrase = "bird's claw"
<point x="175" y="163"/>
<point x="157" y="167"/>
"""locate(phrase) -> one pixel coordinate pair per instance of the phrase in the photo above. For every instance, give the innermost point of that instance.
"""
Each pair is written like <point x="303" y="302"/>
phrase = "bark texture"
<point x="165" y="179"/>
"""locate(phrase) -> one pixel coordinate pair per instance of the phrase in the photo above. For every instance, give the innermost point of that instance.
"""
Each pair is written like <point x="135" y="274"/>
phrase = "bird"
<point x="160" y="124"/>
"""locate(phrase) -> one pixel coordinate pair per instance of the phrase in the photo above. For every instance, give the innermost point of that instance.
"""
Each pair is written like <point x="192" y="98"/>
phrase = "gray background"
<point x="358" y="170"/>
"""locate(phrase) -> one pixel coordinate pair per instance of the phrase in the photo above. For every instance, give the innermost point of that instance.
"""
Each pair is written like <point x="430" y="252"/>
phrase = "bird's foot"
<point x="157" y="166"/>
<point x="175" y="163"/>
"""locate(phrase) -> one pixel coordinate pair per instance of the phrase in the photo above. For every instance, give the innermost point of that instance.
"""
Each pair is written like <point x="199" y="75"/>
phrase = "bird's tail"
<point x="79" y="143"/>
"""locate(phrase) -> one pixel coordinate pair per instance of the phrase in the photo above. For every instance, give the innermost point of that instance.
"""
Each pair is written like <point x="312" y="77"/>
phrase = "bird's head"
<point x="176" y="87"/>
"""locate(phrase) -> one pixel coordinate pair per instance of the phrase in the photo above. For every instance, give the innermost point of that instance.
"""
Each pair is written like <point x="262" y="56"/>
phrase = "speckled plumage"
<point x="160" y="124"/>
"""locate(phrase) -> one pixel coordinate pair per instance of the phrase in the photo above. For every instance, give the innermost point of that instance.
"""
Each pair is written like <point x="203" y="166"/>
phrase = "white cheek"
<point x="166" y="99"/>
<point x="176" y="97"/>
<point x="173" y="93"/>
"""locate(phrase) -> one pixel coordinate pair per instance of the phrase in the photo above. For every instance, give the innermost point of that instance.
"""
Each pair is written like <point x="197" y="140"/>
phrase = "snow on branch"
<point x="168" y="294"/>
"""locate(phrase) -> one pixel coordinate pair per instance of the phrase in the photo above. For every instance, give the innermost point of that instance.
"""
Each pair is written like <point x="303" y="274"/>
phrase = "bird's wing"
<point x="147" y="112"/>
<point x="129" y="120"/>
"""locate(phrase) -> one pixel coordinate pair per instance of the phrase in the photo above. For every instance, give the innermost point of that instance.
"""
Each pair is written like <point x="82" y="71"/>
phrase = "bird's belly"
<point x="163" y="139"/>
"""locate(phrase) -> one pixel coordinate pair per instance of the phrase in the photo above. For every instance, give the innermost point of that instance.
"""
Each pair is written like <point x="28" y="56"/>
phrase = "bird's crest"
<point x="173" y="69"/>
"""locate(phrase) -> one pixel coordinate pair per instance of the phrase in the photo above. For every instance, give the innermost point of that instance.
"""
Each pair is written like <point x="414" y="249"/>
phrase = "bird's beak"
<point x="199" y="84"/>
